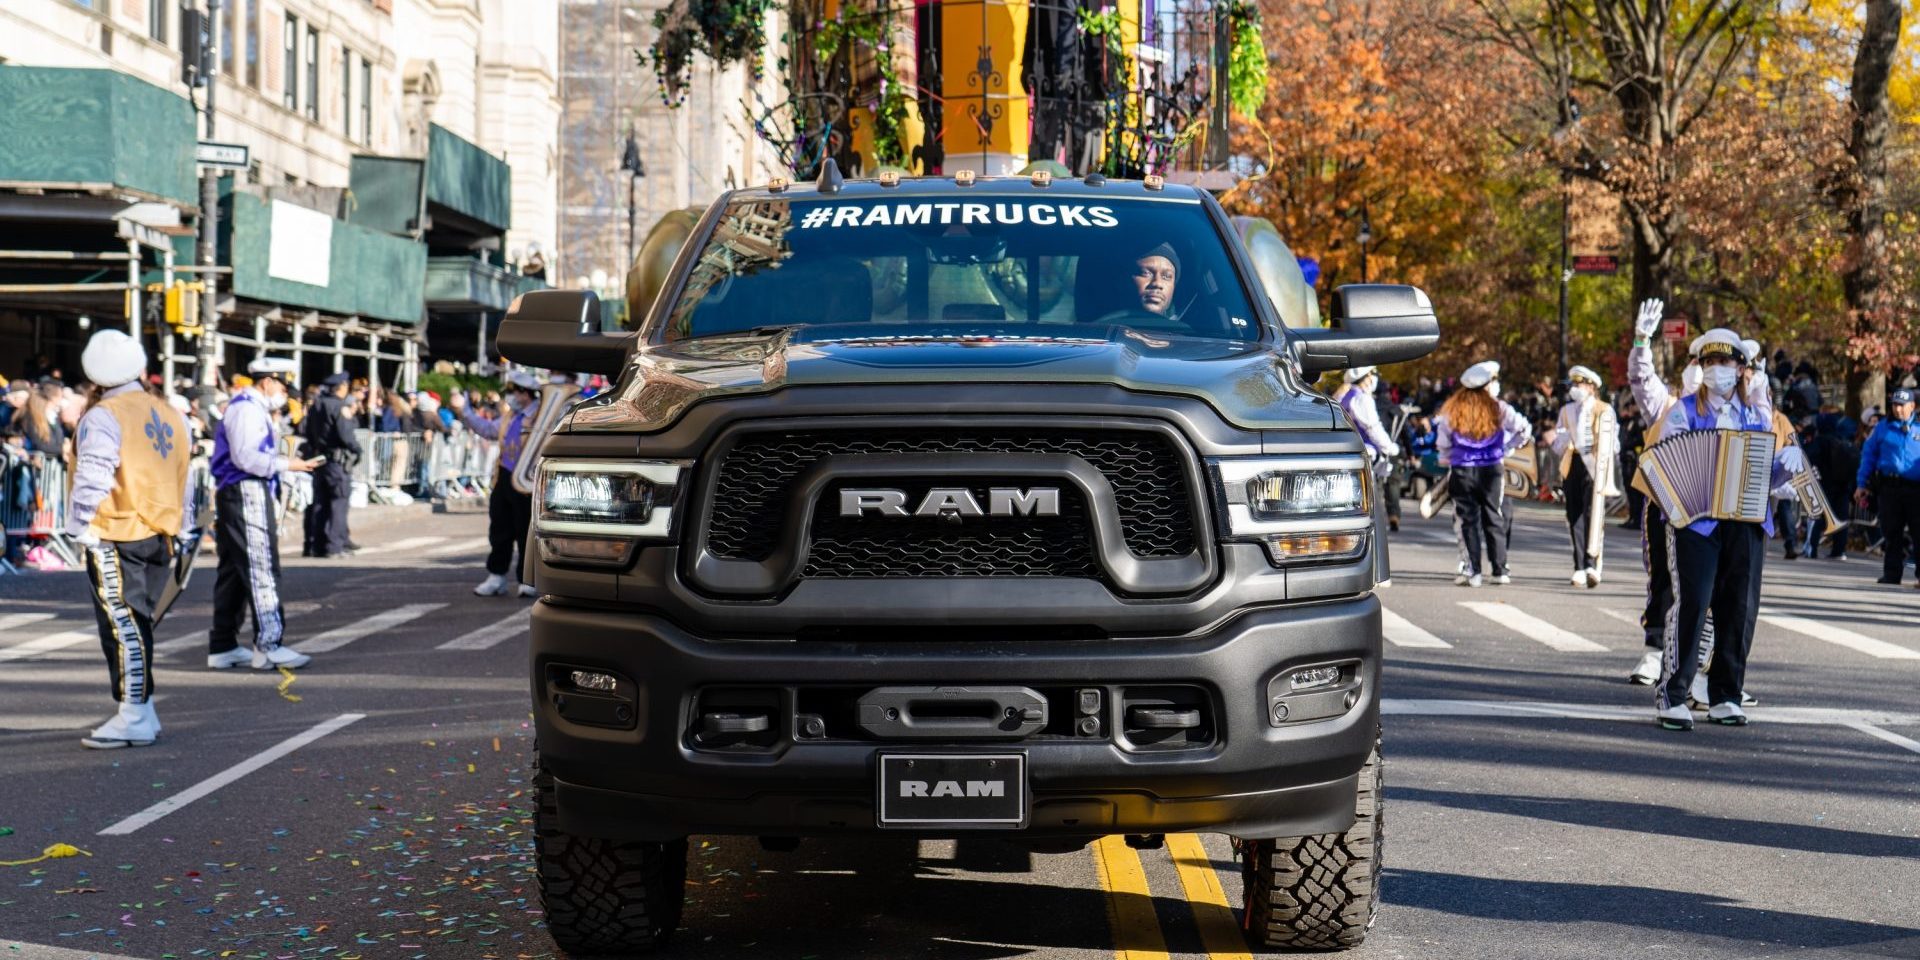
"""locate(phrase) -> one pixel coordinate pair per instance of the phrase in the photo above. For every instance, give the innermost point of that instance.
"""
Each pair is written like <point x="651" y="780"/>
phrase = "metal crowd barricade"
<point x="33" y="504"/>
<point x="449" y="466"/>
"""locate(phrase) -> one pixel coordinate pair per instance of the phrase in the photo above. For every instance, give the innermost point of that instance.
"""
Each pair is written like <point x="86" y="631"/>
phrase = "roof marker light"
<point x="1042" y="177"/>
<point x="1155" y="181"/>
<point x="963" y="178"/>
<point x="889" y="178"/>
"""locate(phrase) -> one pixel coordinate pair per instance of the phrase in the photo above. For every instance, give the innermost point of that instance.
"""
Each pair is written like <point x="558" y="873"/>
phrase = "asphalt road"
<point x="376" y="805"/>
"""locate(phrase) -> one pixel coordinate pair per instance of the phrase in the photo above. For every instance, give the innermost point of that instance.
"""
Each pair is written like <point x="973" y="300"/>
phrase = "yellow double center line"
<point x="1130" y="913"/>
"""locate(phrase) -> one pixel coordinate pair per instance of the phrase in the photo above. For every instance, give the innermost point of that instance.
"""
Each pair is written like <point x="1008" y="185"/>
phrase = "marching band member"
<point x="247" y="465"/>
<point x="509" y="512"/>
<point x="1586" y="439"/>
<point x="1715" y="564"/>
<point x="1474" y="432"/>
<point x="1356" y="398"/>
<point x="129" y="501"/>
<point x="1656" y="401"/>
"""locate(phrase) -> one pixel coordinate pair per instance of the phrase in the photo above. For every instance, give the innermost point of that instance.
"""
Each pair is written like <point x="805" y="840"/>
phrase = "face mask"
<point x="276" y="401"/>
<point x="1579" y="393"/>
<point x="1690" y="378"/>
<point x="1720" y="380"/>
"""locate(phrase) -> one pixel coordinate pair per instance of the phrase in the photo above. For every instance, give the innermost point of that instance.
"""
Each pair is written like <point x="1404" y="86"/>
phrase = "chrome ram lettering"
<point x="953" y="788"/>
<point x="954" y="502"/>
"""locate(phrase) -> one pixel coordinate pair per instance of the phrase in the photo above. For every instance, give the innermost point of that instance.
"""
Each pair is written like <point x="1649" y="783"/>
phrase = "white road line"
<point x="1533" y="627"/>
<point x="410" y="543"/>
<point x="1404" y="633"/>
<point x="1840" y="636"/>
<point x="1887" y="735"/>
<point x="228" y="775"/>
<point x="461" y="546"/>
<point x="490" y="634"/>
<point x="14" y="620"/>
<point x="1632" y="619"/>
<point x="1596" y="711"/>
<point x="180" y="643"/>
<point x="46" y="644"/>
<point x="384" y="620"/>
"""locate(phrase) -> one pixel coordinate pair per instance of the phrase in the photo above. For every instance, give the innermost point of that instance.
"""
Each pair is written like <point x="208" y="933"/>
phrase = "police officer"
<point x="129" y="501"/>
<point x="1356" y="399"/>
<point x="1890" y="471"/>
<point x="1586" y="432"/>
<point x="247" y="465"/>
<point x="329" y="432"/>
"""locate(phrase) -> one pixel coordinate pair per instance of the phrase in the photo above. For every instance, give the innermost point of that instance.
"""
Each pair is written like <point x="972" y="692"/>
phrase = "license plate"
<point x="964" y="791"/>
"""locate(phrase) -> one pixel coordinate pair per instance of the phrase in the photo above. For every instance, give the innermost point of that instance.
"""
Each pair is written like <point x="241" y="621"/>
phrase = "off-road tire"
<point x="1319" y="892"/>
<point x="616" y="897"/>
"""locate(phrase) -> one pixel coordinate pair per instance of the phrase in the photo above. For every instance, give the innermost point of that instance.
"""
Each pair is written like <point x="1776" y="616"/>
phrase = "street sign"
<point x="1673" y="329"/>
<point x="231" y="155"/>
<point x="1597" y="263"/>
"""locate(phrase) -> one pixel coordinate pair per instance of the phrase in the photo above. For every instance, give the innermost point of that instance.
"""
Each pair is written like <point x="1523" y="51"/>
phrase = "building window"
<point x="253" y="43"/>
<point x="313" y="74"/>
<point x="346" y="92"/>
<point x="228" y="36"/>
<point x="157" y="19"/>
<point x="366" y="102"/>
<point x="290" y="44"/>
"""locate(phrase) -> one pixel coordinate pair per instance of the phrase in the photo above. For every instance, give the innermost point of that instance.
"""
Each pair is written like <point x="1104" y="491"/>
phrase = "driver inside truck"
<point x="1154" y="275"/>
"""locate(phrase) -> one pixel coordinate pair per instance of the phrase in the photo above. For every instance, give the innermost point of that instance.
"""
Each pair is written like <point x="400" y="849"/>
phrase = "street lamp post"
<point x="631" y="164"/>
<point x="207" y="251"/>
<point x="1570" y="117"/>
<point x="1366" y="237"/>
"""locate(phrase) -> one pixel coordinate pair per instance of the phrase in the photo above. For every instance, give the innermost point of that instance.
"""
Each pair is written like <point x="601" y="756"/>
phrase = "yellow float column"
<point x="984" y="118"/>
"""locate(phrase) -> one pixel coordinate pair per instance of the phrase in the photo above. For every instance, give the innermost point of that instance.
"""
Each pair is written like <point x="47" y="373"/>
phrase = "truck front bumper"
<point x="632" y="764"/>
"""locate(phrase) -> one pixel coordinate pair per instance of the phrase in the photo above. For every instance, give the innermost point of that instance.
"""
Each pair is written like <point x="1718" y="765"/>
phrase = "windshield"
<point x="989" y="265"/>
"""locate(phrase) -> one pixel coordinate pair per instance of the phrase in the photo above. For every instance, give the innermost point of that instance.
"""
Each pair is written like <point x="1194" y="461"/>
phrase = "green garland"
<point x="727" y="31"/>
<point x="1246" y="59"/>
<point x="875" y="34"/>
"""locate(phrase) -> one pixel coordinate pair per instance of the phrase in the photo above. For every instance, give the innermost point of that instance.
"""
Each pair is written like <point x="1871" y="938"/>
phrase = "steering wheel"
<point x="1132" y="316"/>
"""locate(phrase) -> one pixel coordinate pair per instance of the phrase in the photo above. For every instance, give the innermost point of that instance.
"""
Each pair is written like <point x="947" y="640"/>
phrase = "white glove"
<point x="1652" y="310"/>
<point x="87" y="538"/>
<point x="1759" y="391"/>
<point x="1792" y="460"/>
<point x="1783" y="492"/>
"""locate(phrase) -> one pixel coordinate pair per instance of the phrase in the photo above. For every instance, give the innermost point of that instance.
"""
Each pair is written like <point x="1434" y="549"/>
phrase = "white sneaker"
<point x="1500" y="579"/>
<point x="494" y="586"/>
<point x="136" y="725"/>
<point x="1676" y="717"/>
<point x="1647" y="671"/>
<point x="1579" y="578"/>
<point x="1474" y="581"/>
<point x="232" y="658"/>
<point x="280" y="657"/>
<point x="1593" y="577"/>
<point x="1727" y="714"/>
<point x="527" y="590"/>
<point x="1748" y="699"/>
<point x="1697" y="693"/>
<point x="1461" y="579"/>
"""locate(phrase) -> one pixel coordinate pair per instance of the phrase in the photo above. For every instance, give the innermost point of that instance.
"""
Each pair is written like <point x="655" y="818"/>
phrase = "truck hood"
<point x="1240" y="380"/>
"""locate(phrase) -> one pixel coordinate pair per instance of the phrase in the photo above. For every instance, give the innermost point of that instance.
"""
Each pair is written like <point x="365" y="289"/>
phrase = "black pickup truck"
<point x="947" y="506"/>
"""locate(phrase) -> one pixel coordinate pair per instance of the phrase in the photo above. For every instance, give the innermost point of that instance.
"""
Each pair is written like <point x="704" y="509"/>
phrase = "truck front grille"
<point x="750" y="503"/>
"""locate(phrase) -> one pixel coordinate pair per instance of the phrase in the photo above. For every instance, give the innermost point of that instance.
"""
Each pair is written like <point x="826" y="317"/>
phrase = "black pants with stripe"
<point x="248" y="577"/>
<point x="1577" y="489"/>
<point x="1653" y="550"/>
<point x="1717" y="573"/>
<point x="509" y="513"/>
<point x="1478" y="494"/>
<point x="127" y="579"/>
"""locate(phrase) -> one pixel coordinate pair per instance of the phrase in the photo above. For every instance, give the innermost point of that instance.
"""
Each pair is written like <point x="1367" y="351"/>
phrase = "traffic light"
<point x="194" y="45"/>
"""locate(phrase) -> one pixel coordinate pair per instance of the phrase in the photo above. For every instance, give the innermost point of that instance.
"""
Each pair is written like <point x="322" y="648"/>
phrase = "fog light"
<point x="586" y="551"/>
<point x="1314" y="677"/>
<point x="589" y="680"/>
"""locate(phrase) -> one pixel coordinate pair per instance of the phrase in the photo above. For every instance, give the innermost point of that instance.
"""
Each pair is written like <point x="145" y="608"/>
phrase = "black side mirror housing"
<point x="560" y="330"/>
<point x="1373" y="324"/>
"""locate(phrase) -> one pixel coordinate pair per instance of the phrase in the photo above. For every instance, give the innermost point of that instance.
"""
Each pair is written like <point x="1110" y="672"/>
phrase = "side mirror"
<point x="560" y="330"/>
<point x="1373" y="324"/>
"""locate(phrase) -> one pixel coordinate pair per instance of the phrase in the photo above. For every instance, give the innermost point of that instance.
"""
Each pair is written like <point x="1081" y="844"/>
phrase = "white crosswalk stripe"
<point x="1533" y="628"/>
<point x="47" y="644"/>
<point x="384" y="620"/>
<point x="1839" y="636"/>
<point x="491" y="634"/>
<point x="460" y="546"/>
<point x="14" y="621"/>
<point x="1402" y="632"/>
<point x="410" y="543"/>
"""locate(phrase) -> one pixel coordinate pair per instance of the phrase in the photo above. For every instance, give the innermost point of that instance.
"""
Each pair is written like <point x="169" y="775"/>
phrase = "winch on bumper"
<point x="1257" y="727"/>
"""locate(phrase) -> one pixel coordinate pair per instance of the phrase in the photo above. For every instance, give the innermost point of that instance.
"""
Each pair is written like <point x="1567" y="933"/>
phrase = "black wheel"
<point x="604" y="896"/>
<point x="1320" y="892"/>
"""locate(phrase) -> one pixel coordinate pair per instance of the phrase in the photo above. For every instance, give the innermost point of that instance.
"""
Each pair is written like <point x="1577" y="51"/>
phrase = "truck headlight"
<point x="1306" y="509"/>
<point x="606" y="498"/>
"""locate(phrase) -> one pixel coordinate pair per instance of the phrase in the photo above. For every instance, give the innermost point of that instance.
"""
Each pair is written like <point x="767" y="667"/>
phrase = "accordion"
<point x="1711" y="475"/>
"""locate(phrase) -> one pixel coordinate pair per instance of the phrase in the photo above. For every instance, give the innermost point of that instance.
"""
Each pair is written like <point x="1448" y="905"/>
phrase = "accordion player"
<point x="1712" y="473"/>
